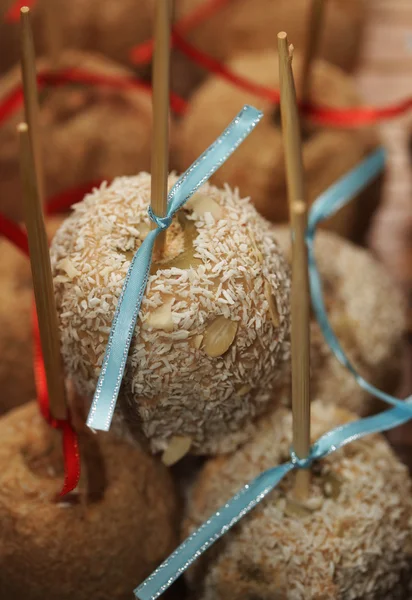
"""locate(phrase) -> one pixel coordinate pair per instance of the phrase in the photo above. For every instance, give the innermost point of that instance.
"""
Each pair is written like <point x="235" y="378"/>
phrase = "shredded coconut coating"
<point x="172" y="387"/>
<point x="366" y="311"/>
<point x="351" y="540"/>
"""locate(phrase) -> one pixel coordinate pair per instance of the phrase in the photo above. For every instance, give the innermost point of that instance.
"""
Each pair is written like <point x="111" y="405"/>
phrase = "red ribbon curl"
<point x="141" y="54"/>
<point x="63" y="201"/>
<point x="333" y="117"/>
<point x="14" y="100"/>
<point x="71" y="456"/>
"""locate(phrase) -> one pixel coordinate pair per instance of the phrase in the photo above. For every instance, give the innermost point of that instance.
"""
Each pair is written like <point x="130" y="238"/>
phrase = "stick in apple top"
<point x="313" y="37"/>
<point x="31" y="99"/>
<point x="160" y="140"/>
<point x="42" y="277"/>
<point x="300" y="276"/>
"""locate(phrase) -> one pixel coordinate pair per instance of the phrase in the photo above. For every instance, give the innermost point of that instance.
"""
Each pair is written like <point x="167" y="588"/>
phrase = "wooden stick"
<point x="31" y="99"/>
<point x="161" y="84"/>
<point x="52" y="32"/>
<point x="316" y="20"/>
<point x="300" y="280"/>
<point x="42" y="277"/>
<point x="290" y="122"/>
<point x="300" y="309"/>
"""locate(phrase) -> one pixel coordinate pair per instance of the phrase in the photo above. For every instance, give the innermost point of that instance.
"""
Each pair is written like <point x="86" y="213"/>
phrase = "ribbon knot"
<point x="302" y="463"/>
<point x="161" y="222"/>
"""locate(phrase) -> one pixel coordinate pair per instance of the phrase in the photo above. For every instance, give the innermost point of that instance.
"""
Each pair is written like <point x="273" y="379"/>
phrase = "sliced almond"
<point x="197" y="341"/>
<point x="161" y="317"/>
<point x="219" y="336"/>
<point x="184" y="260"/>
<point x="273" y="309"/>
<point x="242" y="391"/>
<point x="68" y="267"/>
<point x="201" y="204"/>
<point x="331" y="486"/>
<point x="296" y="509"/>
<point x="178" y="447"/>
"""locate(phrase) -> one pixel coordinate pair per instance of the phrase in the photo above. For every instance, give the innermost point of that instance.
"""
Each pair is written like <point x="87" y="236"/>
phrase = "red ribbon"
<point x="71" y="456"/>
<point x="357" y="117"/>
<point x="334" y="117"/>
<point x="64" y="201"/>
<point x="13" y="14"/>
<point x="118" y="82"/>
<point x="142" y="53"/>
<point x="14" y="99"/>
<point x="15" y="234"/>
<point x="215" y="66"/>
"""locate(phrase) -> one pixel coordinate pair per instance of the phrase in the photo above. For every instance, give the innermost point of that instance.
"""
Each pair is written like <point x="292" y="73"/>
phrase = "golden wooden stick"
<point x="31" y="99"/>
<point x="160" y="140"/>
<point x="42" y="277"/>
<point x="290" y="122"/>
<point x="300" y="283"/>
<point x="300" y="310"/>
<point x="314" y="33"/>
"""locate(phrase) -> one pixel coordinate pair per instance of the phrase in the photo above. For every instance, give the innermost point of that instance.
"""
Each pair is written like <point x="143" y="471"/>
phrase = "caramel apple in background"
<point x="257" y="168"/>
<point x="370" y="330"/>
<point x="250" y="25"/>
<point x="98" y="542"/>
<point x="16" y="330"/>
<point x="212" y="336"/>
<point x="350" y="539"/>
<point x="88" y="133"/>
<point x="110" y="28"/>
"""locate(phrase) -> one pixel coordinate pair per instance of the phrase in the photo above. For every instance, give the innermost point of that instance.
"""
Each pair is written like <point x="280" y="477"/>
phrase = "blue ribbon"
<point x="252" y="493"/>
<point x="128" y="307"/>
<point x="328" y="203"/>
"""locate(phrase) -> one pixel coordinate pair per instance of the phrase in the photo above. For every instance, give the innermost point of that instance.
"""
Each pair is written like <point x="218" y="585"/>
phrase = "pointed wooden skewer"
<point x="300" y="280"/>
<point x="42" y="277"/>
<point x="312" y="44"/>
<point x="31" y="99"/>
<point x="160" y="140"/>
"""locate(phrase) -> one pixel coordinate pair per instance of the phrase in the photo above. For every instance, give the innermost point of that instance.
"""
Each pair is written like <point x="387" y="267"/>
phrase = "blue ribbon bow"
<point x="252" y="493"/>
<point x="128" y="306"/>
